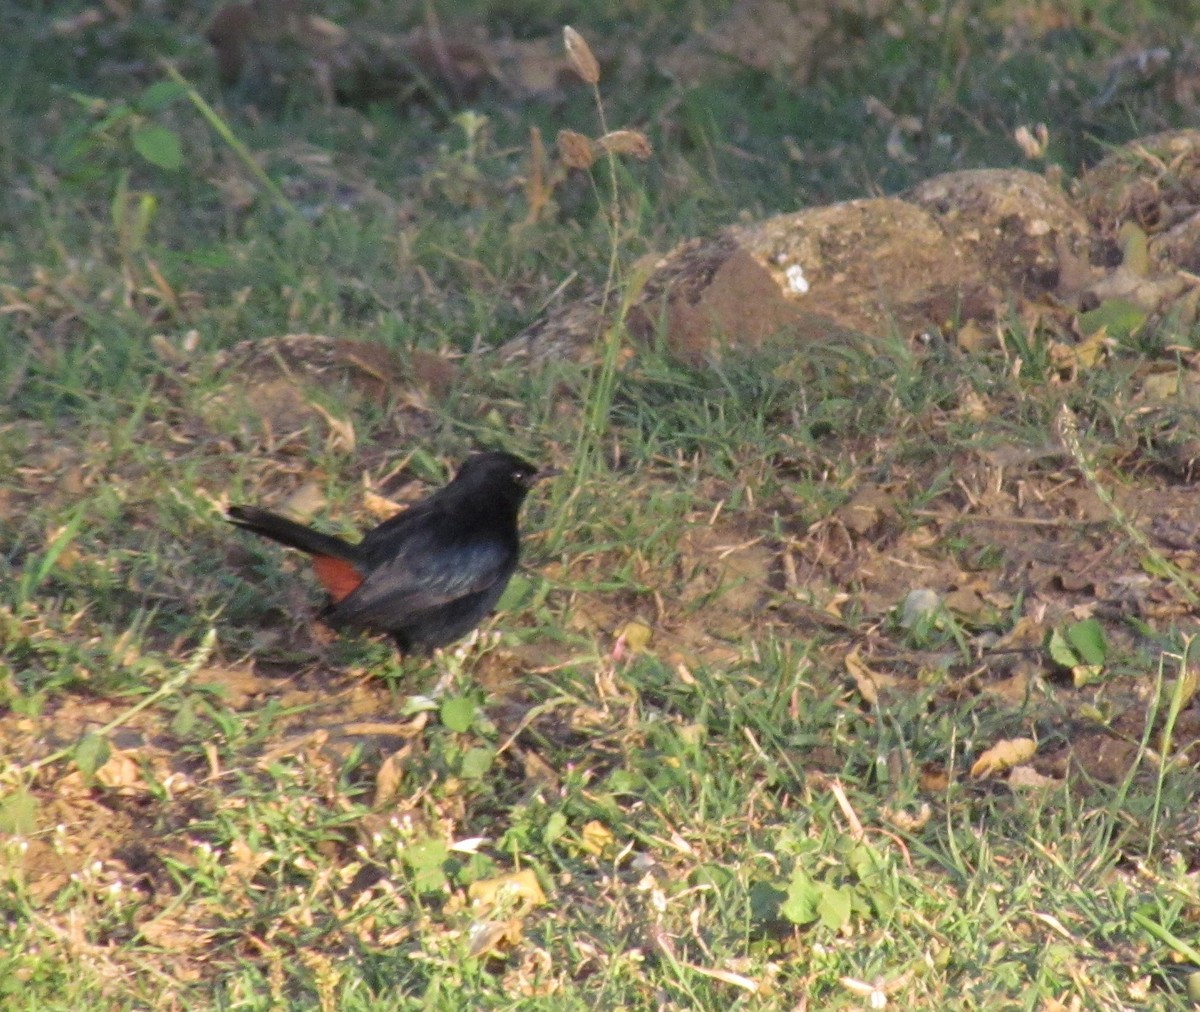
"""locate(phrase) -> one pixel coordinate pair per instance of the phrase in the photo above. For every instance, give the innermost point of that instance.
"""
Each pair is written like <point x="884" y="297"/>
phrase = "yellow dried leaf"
<point x="341" y="431"/>
<point x="966" y="602"/>
<point x="934" y="779"/>
<point x="632" y="638"/>
<point x="516" y="890"/>
<point x="866" y="680"/>
<point x="909" y="822"/>
<point x="580" y="54"/>
<point x="305" y="501"/>
<point x="1093" y="349"/>
<point x="728" y="977"/>
<point x="1029" y="778"/>
<point x="390" y="775"/>
<point x="971" y="337"/>
<point x="1002" y="756"/>
<point x="626" y="142"/>
<point x="1161" y="386"/>
<point x="1185" y="689"/>
<point x="1135" y="256"/>
<point x="576" y="150"/>
<point x="597" y="838"/>
<point x="121" y="772"/>
<point x="493" y="937"/>
<point x="380" y="506"/>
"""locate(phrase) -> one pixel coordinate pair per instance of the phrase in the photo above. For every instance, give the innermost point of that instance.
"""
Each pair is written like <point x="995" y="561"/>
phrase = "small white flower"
<point x="796" y="280"/>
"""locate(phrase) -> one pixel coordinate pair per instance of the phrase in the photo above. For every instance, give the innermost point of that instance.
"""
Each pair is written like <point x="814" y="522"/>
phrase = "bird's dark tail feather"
<point x="288" y="532"/>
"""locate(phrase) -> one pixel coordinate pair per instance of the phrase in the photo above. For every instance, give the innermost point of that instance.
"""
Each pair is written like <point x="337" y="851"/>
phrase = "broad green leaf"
<point x="1060" y="650"/>
<point x="158" y="145"/>
<point x="458" y="713"/>
<point x="1117" y="317"/>
<point x="766" y="902"/>
<point x="160" y="94"/>
<point x="184" y="721"/>
<point x="91" y="753"/>
<point x="1087" y="637"/>
<point x="18" y="813"/>
<point x="427" y="860"/>
<point x="803" y="903"/>
<point x="477" y="762"/>
<point x="556" y="825"/>
<point x="835" y="905"/>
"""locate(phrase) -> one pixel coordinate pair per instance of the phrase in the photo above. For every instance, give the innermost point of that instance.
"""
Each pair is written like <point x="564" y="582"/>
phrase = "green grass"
<point x="727" y="818"/>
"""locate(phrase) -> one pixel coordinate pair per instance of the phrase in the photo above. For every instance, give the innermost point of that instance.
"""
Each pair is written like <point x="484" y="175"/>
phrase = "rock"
<point x="959" y="248"/>
<point x="1153" y="181"/>
<point x="876" y="266"/>
<point x="1011" y="221"/>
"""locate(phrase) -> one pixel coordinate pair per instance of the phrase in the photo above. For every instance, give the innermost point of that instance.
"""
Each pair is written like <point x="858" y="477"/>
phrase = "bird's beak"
<point x="544" y="473"/>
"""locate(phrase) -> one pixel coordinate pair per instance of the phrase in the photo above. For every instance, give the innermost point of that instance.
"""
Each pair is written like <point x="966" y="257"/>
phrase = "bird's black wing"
<point x="430" y="564"/>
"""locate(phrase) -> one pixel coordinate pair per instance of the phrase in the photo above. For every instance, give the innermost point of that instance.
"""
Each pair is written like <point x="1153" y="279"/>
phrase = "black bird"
<point x="430" y="574"/>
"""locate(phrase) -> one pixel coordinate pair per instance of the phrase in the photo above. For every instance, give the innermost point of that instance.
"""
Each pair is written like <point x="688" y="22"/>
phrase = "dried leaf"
<point x="727" y="977"/>
<point x="305" y="501"/>
<point x="632" y="638"/>
<point x="576" y="150"/>
<point x="380" y="506"/>
<point x="934" y="779"/>
<point x="493" y="937"/>
<point x="597" y="838"/>
<point x="341" y="431"/>
<point x="626" y="142"/>
<point x="390" y="776"/>
<point x="971" y="337"/>
<point x="539" y="188"/>
<point x="909" y="822"/>
<point x="122" y="773"/>
<point x="1033" y="142"/>
<point x="1161" y="386"/>
<point x="1028" y="777"/>
<point x="1002" y="756"/>
<point x="966" y="602"/>
<point x="580" y="54"/>
<point x="867" y="681"/>
<point x="518" y="890"/>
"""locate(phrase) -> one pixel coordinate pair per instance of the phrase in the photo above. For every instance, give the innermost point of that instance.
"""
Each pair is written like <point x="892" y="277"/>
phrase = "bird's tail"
<point x="288" y="532"/>
<point x="337" y="562"/>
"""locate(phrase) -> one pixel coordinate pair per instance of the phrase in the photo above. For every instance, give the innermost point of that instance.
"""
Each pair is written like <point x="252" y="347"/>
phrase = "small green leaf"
<point x="158" y="145"/>
<point x="803" y="902"/>
<point x="556" y="825"/>
<point x="766" y="902"/>
<point x="458" y="713"/>
<point x="715" y="875"/>
<point x="1193" y="987"/>
<point x="476" y="762"/>
<point x="18" y="813"/>
<point x="1060" y="650"/>
<point x="184" y="721"/>
<point x="519" y="588"/>
<point x="1087" y="637"/>
<point x="91" y="753"/>
<point x="426" y="859"/>
<point x="159" y="95"/>
<point x="835" y="905"/>
<point x="1118" y="317"/>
